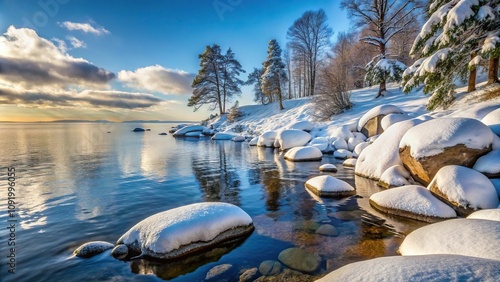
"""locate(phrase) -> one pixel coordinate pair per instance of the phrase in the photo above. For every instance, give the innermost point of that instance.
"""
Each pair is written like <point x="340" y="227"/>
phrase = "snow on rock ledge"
<point x="180" y="231"/>
<point x="292" y="138"/>
<point x="468" y="237"/>
<point x="436" y="143"/>
<point x="370" y="123"/>
<point x="304" y="154"/>
<point x="329" y="186"/>
<point x="464" y="188"/>
<point x="413" y="201"/>
<point x="418" y="268"/>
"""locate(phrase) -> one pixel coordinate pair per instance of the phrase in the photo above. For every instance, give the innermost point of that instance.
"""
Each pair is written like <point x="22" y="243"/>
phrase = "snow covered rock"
<point x="493" y="121"/>
<point x="302" y="125"/>
<point x="352" y="143"/>
<point x="436" y="143"/>
<point x="321" y="143"/>
<point x="359" y="148"/>
<point x="253" y="142"/>
<point x="350" y="162"/>
<point x="359" y="135"/>
<point x="431" y="268"/>
<point x="193" y="134"/>
<point x="91" y="249"/>
<point x="491" y="214"/>
<point x="461" y="236"/>
<point x="383" y="153"/>
<point x="489" y="164"/>
<point x="239" y="138"/>
<point x="329" y="186"/>
<point x="391" y="119"/>
<point x="370" y="123"/>
<point x="413" y="201"/>
<point x="342" y="154"/>
<point x="496" y="183"/>
<point x="303" y="154"/>
<point x="267" y="139"/>
<point x="190" y="128"/>
<point x="340" y="143"/>
<point x="119" y="252"/>
<point x="342" y="132"/>
<point x="465" y="189"/>
<point x="223" y="136"/>
<point x="395" y="176"/>
<point x="180" y="231"/>
<point x="328" y="168"/>
<point x="292" y="138"/>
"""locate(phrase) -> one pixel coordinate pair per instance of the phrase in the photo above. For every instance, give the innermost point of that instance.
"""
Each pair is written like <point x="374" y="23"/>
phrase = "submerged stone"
<point x="91" y="249"/>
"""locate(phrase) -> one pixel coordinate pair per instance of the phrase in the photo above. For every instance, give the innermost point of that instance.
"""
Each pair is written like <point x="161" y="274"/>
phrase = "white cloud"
<point x="158" y="79"/>
<point x="61" y="44"/>
<point x="85" y="27"/>
<point x="75" y="42"/>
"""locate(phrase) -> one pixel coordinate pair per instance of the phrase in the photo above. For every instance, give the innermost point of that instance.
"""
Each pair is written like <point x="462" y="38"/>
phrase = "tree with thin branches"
<point x="274" y="72"/>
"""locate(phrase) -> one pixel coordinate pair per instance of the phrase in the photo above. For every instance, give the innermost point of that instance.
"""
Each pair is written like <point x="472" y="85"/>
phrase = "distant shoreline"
<point x="104" y="121"/>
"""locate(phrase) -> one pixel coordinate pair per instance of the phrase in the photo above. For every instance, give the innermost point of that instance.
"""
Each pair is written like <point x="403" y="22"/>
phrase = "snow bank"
<point x="468" y="237"/>
<point x="435" y="268"/>
<point x="376" y="111"/>
<point x="432" y="137"/>
<point x="465" y="187"/>
<point x="411" y="201"/>
<point x="186" y="229"/>
<point x="302" y="125"/>
<point x="224" y="136"/>
<point x="292" y="138"/>
<point x="489" y="164"/>
<point x="383" y="153"/>
<point x="329" y="186"/>
<point x="188" y="128"/>
<point x="299" y="154"/>
<point x="391" y="119"/>
<point x="493" y="121"/>
<point x="267" y="139"/>
<point x="395" y="176"/>
<point x="491" y="214"/>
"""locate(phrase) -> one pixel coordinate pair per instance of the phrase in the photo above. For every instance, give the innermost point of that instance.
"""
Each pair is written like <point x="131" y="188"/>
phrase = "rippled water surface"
<point x="80" y="182"/>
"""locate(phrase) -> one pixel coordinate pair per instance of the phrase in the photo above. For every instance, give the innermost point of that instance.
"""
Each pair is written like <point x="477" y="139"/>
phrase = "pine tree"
<point x="255" y="78"/>
<point x="383" y="71"/>
<point x="274" y="72"/>
<point x="234" y="112"/>
<point x="231" y="69"/>
<point x="448" y="42"/>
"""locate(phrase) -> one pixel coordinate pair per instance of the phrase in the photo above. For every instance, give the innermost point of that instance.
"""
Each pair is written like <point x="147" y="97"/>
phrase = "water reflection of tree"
<point x="218" y="178"/>
<point x="272" y="183"/>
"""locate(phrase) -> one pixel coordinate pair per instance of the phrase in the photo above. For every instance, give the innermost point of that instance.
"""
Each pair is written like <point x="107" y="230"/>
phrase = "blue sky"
<point x="104" y="43"/>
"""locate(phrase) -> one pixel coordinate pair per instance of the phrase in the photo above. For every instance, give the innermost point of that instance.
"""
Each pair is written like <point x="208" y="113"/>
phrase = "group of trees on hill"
<point x="440" y="40"/>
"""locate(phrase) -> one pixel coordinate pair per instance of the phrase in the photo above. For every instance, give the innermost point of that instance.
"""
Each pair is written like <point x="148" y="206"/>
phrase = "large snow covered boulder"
<point x="292" y="138"/>
<point x="435" y="268"/>
<point x="370" y="123"/>
<point x="413" y="201"/>
<point x="395" y="176"/>
<point x="224" y="136"/>
<point x="267" y="139"/>
<point x="302" y="125"/>
<point x="189" y="128"/>
<point x="491" y="214"/>
<point x="465" y="189"/>
<point x="493" y="121"/>
<point x="391" y="119"/>
<point x="383" y="153"/>
<point x="461" y="236"/>
<point x="436" y="143"/>
<point x="303" y="154"/>
<point x="489" y="164"/>
<point x="187" y="229"/>
<point x="329" y="186"/>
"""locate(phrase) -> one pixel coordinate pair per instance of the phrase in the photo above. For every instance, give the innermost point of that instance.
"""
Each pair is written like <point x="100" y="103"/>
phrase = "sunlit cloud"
<point x="75" y="42"/>
<point x="85" y="27"/>
<point x="158" y="79"/>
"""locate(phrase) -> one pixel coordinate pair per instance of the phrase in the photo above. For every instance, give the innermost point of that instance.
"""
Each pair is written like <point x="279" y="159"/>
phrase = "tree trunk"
<point x="381" y="89"/>
<point x="472" y="77"/>
<point x="280" y="99"/>
<point x="493" y="71"/>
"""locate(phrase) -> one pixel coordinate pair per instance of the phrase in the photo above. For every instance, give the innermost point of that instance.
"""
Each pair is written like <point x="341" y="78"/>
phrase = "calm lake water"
<point x="76" y="183"/>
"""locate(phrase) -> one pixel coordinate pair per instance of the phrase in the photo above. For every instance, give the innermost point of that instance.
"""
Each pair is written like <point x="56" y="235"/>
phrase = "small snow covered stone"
<point x="359" y="148"/>
<point x="465" y="189"/>
<point x="328" y="168"/>
<point x="223" y="136"/>
<point x="391" y="119"/>
<point x="369" y="123"/>
<point x="359" y="135"/>
<point x="321" y="143"/>
<point x="300" y="260"/>
<point x="189" y="128"/>
<point x="342" y="154"/>
<point x="493" y="121"/>
<point x="340" y="143"/>
<point x="413" y="201"/>
<point x="119" y="252"/>
<point x="418" y="268"/>
<point x="490" y="214"/>
<point x="267" y="139"/>
<point x="461" y="236"/>
<point x="91" y="249"/>
<point x="352" y="143"/>
<point x="489" y="164"/>
<point x="349" y="162"/>
<point x="239" y="138"/>
<point x="342" y="132"/>
<point x="303" y="154"/>
<point x="253" y="142"/>
<point x="329" y="186"/>
<point x="292" y="138"/>
<point x="436" y="143"/>
<point x="302" y="125"/>
<point x="395" y="176"/>
<point x="180" y="231"/>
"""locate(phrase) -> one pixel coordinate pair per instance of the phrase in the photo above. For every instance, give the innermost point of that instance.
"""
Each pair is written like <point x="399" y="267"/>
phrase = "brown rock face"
<point x="373" y="126"/>
<point x="461" y="211"/>
<point x="424" y="169"/>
